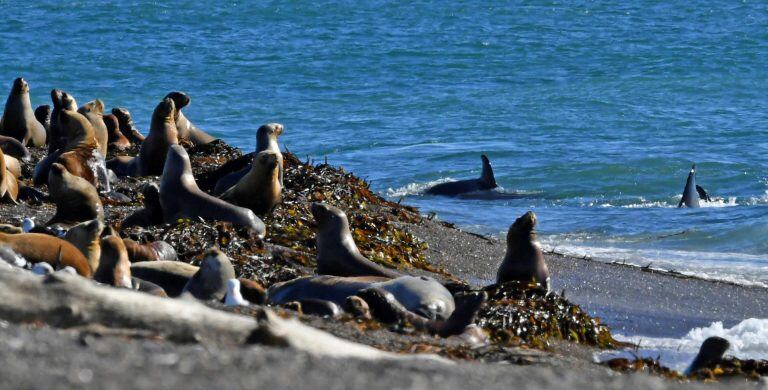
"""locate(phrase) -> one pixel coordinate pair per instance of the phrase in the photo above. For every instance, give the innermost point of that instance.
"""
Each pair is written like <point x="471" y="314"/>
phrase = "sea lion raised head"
<point x="127" y="127"/>
<point x="181" y="198"/>
<point x="187" y="130"/>
<point x="18" y="120"/>
<point x="114" y="267"/>
<point x="260" y="189"/>
<point x="524" y="260"/>
<point x="94" y="111"/>
<point x="152" y="212"/>
<point x="162" y="134"/>
<point x="210" y="281"/>
<point x="116" y="140"/>
<point x="710" y="352"/>
<point x="86" y="236"/>
<point x="337" y="253"/>
<point x="266" y="137"/>
<point x="232" y="172"/>
<point x="76" y="199"/>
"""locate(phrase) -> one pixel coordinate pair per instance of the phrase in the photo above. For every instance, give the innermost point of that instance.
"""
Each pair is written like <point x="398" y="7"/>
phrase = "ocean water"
<point x="591" y="112"/>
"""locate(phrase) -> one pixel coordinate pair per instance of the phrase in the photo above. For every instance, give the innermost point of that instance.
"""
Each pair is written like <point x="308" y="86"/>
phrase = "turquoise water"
<point x="591" y="114"/>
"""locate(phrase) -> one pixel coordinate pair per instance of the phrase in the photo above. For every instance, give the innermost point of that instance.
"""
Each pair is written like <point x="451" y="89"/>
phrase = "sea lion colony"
<point x="208" y="210"/>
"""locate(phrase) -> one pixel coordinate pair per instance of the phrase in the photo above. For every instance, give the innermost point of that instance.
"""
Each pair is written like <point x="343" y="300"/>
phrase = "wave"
<point x="748" y="338"/>
<point x="498" y="193"/>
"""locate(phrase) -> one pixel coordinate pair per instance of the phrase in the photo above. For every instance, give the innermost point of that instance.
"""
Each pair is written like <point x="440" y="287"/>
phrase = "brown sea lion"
<point x="114" y="267"/>
<point x="337" y="253"/>
<point x="117" y="140"/>
<point x="151" y="214"/>
<point x="180" y="197"/>
<point x="172" y="276"/>
<point x="43" y="115"/>
<point x="94" y="111"/>
<point x="9" y="184"/>
<point x="18" y="120"/>
<point x="57" y="137"/>
<point x="151" y="158"/>
<point x="36" y="248"/>
<point x="260" y="189"/>
<point x="151" y="251"/>
<point x="523" y="261"/>
<point x="81" y="155"/>
<point x="266" y="140"/>
<point x="76" y="199"/>
<point x="12" y="165"/>
<point x="210" y="281"/>
<point x="127" y="127"/>
<point x="86" y="237"/>
<point x="187" y="130"/>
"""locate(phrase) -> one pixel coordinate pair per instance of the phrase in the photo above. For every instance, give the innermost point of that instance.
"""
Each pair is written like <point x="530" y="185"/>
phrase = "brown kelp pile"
<point x="722" y="370"/>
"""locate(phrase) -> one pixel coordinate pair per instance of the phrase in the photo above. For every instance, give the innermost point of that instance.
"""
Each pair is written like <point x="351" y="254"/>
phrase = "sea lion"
<point x="266" y="140"/>
<point x="127" y="127"/>
<point x="419" y="294"/>
<point x="9" y="184"/>
<point x="337" y="253"/>
<point x="181" y="198"/>
<point x="80" y="155"/>
<point x="117" y="140"/>
<point x="187" y="130"/>
<point x="61" y="101"/>
<point x="43" y="115"/>
<point x="18" y="120"/>
<point x="86" y="237"/>
<point x="13" y="147"/>
<point x="260" y="189"/>
<point x="94" y="111"/>
<point x="151" y="251"/>
<point x="523" y="261"/>
<point x="151" y="214"/>
<point x="486" y="182"/>
<point x="76" y="199"/>
<point x="210" y="281"/>
<point x="12" y="165"/>
<point x="114" y="268"/>
<point x="172" y="276"/>
<point x="711" y="351"/>
<point x="151" y="158"/>
<point x="38" y="248"/>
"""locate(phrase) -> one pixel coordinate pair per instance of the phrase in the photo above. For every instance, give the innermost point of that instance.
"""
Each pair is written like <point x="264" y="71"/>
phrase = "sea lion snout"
<point x="20" y="86"/>
<point x="526" y="222"/>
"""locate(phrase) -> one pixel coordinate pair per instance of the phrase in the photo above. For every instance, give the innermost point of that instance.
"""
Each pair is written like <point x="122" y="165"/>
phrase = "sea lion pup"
<point x="419" y="294"/>
<point x="210" y="281"/>
<point x="181" y="198"/>
<point x="114" y="268"/>
<point x="151" y="214"/>
<point x="86" y="237"/>
<point x="486" y="182"/>
<point x="9" y="184"/>
<point x="337" y="253"/>
<point x="151" y="251"/>
<point x="523" y="261"/>
<point x="187" y="130"/>
<point x="43" y="115"/>
<point x="711" y="351"/>
<point x="117" y="140"/>
<point x="151" y="158"/>
<point x="18" y="120"/>
<point x="76" y="199"/>
<point x="127" y="127"/>
<point x="42" y="248"/>
<point x="260" y="189"/>
<point x="266" y="140"/>
<point x="94" y="111"/>
<point x="692" y="192"/>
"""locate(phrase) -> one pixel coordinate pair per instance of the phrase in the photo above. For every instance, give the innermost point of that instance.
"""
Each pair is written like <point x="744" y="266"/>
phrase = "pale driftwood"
<point x="67" y="301"/>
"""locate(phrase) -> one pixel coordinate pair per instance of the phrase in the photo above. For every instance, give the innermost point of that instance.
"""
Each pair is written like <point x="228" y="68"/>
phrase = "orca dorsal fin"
<point x="487" y="175"/>
<point x="690" y="195"/>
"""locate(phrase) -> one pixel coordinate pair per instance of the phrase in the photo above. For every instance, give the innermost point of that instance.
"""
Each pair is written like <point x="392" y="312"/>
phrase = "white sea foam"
<point x="749" y="340"/>
<point x="414" y="188"/>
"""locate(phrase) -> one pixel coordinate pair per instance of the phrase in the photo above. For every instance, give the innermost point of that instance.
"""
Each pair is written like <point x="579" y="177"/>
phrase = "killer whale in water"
<point x="486" y="182"/>
<point x="692" y="192"/>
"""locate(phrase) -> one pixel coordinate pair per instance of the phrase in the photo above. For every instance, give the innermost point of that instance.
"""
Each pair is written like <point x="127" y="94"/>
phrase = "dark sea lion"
<point x="9" y="183"/>
<point x="187" y="130"/>
<point x="127" y="127"/>
<point x="151" y="158"/>
<point x="690" y="195"/>
<point x="18" y="120"/>
<point x="80" y="155"/>
<point x="151" y="251"/>
<point x="151" y="214"/>
<point x="266" y="140"/>
<point x="43" y="115"/>
<point x="114" y="268"/>
<point x="711" y="351"/>
<point x="76" y="199"/>
<point x="486" y="182"/>
<point x="86" y="237"/>
<point x="57" y="137"/>
<point x="421" y="295"/>
<point x="260" y="189"/>
<point x="210" y="281"/>
<point x="117" y="140"/>
<point x="172" y="276"/>
<point x="524" y="260"/>
<point x="37" y="248"/>
<point x="181" y="198"/>
<point x="337" y="253"/>
<point x="13" y="147"/>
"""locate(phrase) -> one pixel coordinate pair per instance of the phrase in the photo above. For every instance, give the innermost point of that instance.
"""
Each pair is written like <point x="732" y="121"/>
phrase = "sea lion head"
<point x="181" y="99"/>
<point x="56" y="96"/>
<point x="330" y="219"/>
<point x="114" y="265"/>
<point x="96" y="106"/>
<point x="57" y="171"/>
<point x="85" y="236"/>
<point x="122" y="114"/>
<point x="267" y="160"/>
<point x="68" y="102"/>
<point x="165" y="111"/>
<point x="524" y="225"/>
<point x="267" y="134"/>
<point x="210" y="281"/>
<point x="113" y="126"/>
<point x="151" y="194"/>
<point x="19" y="87"/>
<point x="76" y="127"/>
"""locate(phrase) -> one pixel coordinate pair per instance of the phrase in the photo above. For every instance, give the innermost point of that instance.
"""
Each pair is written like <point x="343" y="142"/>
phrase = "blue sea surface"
<point x="592" y="113"/>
